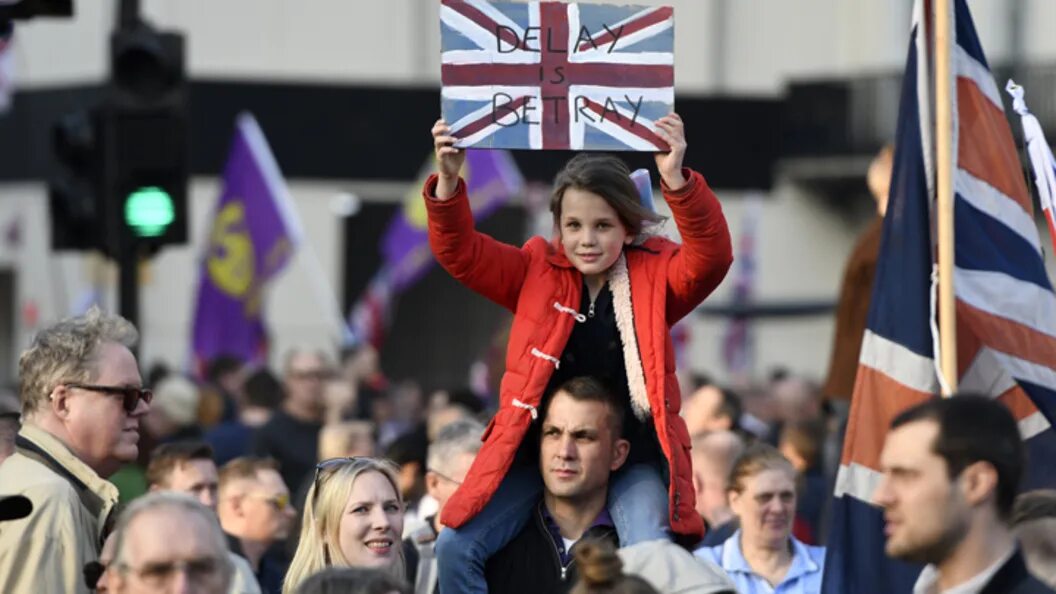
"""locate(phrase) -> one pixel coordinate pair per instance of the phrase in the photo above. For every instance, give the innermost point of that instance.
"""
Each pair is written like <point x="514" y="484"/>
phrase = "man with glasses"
<point x="82" y="402"/>
<point x="291" y="435"/>
<point x="255" y="512"/>
<point x="168" y="542"/>
<point x="187" y="467"/>
<point x="448" y="461"/>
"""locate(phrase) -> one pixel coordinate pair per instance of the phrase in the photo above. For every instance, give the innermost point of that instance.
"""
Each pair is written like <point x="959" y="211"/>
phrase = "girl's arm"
<point x="494" y="269"/>
<point x="706" y="252"/>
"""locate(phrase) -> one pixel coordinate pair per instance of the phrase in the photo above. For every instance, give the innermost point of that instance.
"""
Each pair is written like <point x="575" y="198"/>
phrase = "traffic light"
<point x="73" y="190"/>
<point x="144" y="142"/>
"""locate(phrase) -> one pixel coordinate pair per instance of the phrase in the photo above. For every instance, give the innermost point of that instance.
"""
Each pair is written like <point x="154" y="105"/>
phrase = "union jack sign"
<point x="550" y="75"/>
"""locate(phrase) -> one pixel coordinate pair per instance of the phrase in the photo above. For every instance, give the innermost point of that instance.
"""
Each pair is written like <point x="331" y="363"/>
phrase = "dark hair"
<point x="1034" y="505"/>
<point x="974" y="429"/>
<point x="353" y="580"/>
<point x="588" y="389"/>
<point x="601" y="571"/>
<point x="167" y="456"/>
<point x="807" y="438"/>
<point x="608" y="177"/>
<point x="731" y="406"/>
<point x="264" y="390"/>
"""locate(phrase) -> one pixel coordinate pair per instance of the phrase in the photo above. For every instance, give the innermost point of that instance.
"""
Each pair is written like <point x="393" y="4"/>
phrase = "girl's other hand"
<point x="449" y="160"/>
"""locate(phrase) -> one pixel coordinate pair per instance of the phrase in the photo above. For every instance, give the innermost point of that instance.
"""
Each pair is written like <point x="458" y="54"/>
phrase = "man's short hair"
<point x="167" y="457"/>
<point x="178" y="501"/>
<point x="974" y="429"/>
<point x="221" y="365"/>
<point x="353" y="580"/>
<point x="460" y="437"/>
<point x="588" y="389"/>
<point x="66" y="352"/>
<point x="246" y="468"/>
<point x="1034" y="505"/>
<point x="730" y="406"/>
<point x="263" y="389"/>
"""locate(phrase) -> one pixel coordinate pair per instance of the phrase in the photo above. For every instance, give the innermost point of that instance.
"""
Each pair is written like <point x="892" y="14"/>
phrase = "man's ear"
<point x="432" y="483"/>
<point x="620" y="449"/>
<point x="979" y="483"/>
<point x="59" y="401"/>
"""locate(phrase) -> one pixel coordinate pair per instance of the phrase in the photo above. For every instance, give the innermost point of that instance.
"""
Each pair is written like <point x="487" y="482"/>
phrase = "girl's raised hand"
<point x="449" y="160"/>
<point x="669" y="164"/>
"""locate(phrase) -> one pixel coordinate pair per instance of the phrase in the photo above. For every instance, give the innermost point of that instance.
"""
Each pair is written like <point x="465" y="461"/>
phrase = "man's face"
<point x="711" y="489"/>
<point x="443" y="482"/>
<point x="305" y="378"/>
<point x="169" y="550"/>
<point x="703" y="412"/>
<point x="925" y="513"/>
<point x="101" y="432"/>
<point x="197" y="478"/>
<point x="265" y="508"/>
<point x="578" y="450"/>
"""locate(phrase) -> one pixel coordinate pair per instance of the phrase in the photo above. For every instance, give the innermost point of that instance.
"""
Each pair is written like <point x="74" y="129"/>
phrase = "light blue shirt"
<point x="803" y="577"/>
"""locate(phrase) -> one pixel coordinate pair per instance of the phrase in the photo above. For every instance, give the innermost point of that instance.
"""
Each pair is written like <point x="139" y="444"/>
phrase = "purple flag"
<point x="492" y="178"/>
<point x="254" y="233"/>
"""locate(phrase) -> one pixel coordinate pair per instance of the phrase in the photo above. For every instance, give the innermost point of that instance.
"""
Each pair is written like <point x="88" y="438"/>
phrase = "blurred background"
<point x="786" y="104"/>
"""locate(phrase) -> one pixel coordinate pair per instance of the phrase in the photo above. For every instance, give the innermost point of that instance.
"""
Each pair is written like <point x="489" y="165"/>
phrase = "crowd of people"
<point x="597" y="468"/>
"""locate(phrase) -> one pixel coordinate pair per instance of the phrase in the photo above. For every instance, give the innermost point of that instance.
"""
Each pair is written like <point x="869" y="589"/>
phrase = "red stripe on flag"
<point x="625" y="123"/>
<point x="553" y="17"/>
<point x="659" y="15"/>
<point x="489" y="119"/>
<point x="1008" y="336"/>
<point x="1018" y="402"/>
<point x="985" y="147"/>
<point x="484" y="21"/>
<point x="877" y="399"/>
<point x="646" y="76"/>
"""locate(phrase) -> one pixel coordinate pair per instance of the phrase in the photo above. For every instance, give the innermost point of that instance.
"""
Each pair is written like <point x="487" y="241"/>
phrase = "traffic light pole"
<point x="128" y="286"/>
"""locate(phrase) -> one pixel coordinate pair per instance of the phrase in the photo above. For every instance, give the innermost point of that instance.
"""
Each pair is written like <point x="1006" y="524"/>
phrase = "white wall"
<point x="762" y="43"/>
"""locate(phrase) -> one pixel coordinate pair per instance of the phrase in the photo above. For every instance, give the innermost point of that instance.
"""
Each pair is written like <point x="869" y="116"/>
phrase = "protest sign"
<point x="550" y="75"/>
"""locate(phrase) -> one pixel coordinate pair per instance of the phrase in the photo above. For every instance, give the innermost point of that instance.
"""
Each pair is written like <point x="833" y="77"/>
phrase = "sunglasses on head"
<point x="130" y="396"/>
<point x="328" y="465"/>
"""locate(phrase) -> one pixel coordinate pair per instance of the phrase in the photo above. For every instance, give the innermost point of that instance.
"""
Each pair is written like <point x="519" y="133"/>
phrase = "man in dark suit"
<point x="951" y="468"/>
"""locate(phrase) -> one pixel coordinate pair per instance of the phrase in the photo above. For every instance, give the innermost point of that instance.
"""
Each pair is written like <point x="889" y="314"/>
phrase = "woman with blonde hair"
<point x="353" y="517"/>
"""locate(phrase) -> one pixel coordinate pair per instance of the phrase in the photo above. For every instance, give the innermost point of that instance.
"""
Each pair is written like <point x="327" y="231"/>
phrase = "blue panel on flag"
<point x="659" y="43"/>
<point x="517" y="12"/>
<point x="456" y="109"/>
<point x="596" y="139"/>
<point x="899" y="310"/>
<point x="652" y="111"/>
<point x="855" y="543"/>
<point x="452" y="39"/>
<point x="978" y="234"/>
<point x="966" y="37"/>
<point x="1040" y="450"/>
<point x="595" y="16"/>
<point x="1044" y="398"/>
<point x="516" y="137"/>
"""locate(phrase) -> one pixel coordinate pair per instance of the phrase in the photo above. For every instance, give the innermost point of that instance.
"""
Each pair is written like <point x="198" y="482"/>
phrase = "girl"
<point x="598" y="300"/>
<point x="353" y="517"/>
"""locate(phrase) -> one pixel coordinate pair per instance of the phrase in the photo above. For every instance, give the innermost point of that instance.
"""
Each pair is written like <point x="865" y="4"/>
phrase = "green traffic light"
<point x="149" y="211"/>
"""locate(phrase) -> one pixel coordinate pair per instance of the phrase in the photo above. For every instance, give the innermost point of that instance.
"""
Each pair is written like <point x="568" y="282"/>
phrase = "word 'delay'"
<point x="550" y="75"/>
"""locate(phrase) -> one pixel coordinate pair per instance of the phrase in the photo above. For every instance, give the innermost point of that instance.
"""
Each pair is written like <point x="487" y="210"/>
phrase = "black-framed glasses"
<point x="130" y="396"/>
<point x="326" y="465"/>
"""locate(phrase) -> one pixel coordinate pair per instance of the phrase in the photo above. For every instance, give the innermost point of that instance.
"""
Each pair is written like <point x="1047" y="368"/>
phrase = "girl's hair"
<point x="601" y="572"/>
<point x="608" y="177"/>
<point x="319" y="546"/>
<point x="756" y="458"/>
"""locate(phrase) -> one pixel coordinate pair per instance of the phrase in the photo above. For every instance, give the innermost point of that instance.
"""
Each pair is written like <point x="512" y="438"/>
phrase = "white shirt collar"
<point x="928" y="582"/>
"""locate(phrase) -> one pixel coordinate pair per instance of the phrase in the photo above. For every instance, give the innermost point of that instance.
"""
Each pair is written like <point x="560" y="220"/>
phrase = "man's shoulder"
<point x="23" y="475"/>
<point x="1013" y="578"/>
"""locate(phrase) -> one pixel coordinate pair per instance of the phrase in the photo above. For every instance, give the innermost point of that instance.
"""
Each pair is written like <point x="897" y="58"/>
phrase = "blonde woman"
<point x="353" y="517"/>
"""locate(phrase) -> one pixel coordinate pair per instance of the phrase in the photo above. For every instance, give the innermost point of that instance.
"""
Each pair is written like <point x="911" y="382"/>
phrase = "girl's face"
<point x="372" y="522"/>
<point x="591" y="232"/>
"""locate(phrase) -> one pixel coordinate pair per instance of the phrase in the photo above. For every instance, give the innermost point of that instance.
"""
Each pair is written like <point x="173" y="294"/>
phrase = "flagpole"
<point x="944" y="188"/>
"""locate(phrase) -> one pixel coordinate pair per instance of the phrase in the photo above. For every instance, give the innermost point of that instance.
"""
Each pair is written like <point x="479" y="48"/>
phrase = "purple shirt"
<point x="603" y="519"/>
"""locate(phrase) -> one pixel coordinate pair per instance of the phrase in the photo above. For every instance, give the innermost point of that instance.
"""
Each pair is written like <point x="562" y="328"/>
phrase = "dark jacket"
<point x="531" y="563"/>
<point x="1013" y="578"/>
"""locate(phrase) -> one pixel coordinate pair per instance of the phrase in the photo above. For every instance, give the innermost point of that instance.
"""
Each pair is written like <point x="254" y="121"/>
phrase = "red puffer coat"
<point x="654" y="285"/>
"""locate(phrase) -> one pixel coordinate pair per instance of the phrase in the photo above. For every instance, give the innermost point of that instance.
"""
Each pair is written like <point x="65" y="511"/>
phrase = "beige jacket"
<point x="45" y="552"/>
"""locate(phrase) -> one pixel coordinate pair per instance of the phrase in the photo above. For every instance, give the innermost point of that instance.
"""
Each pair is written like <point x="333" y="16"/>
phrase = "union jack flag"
<point x="550" y="75"/>
<point x="1006" y="309"/>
